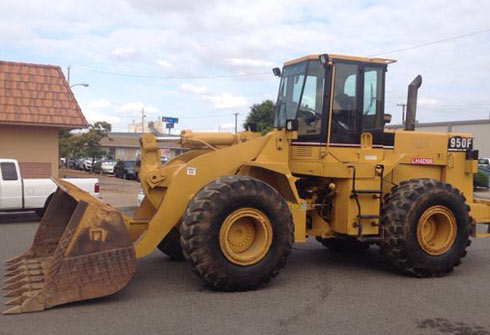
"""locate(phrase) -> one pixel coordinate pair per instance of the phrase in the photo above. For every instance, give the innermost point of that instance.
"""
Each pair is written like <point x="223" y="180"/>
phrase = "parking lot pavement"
<point x="116" y="191"/>
<point x="482" y="193"/>
<point x="319" y="292"/>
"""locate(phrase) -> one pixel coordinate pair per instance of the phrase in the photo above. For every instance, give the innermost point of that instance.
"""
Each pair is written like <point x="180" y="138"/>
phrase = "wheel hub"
<point x="436" y="230"/>
<point x="245" y="236"/>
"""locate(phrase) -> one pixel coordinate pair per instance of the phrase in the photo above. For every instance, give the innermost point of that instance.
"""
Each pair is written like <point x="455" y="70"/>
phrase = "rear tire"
<point x="170" y="245"/>
<point x="426" y="228"/>
<point x="348" y="244"/>
<point x="260" y="238"/>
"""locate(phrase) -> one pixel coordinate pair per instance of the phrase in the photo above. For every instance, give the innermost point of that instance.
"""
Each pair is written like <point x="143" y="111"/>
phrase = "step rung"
<point x="368" y="191"/>
<point x="366" y="217"/>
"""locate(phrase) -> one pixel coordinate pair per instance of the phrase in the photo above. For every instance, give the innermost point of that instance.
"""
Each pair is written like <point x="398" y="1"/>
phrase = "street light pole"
<point x="142" y="120"/>
<point x="80" y="84"/>
<point x="403" y="111"/>
<point x="236" y="122"/>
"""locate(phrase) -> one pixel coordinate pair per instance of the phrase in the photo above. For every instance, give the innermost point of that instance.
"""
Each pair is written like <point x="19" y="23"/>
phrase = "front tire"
<point x="426" y="228"/>
<point x="237" y="233"/>
<point x="170" y="245"/>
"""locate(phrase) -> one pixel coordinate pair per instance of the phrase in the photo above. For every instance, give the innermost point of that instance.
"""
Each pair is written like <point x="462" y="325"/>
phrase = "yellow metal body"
<point x="84" y="248"/>
<point x="275" y="159"/>
<point x="245" y="236"/>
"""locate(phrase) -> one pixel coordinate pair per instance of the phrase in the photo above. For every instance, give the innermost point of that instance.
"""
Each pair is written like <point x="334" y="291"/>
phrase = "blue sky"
<point x="131" y="51"/>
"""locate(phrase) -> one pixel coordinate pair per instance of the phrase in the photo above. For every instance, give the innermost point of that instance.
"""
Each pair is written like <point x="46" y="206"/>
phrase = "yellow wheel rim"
<point x="245" y="236"/>
<point x="436" y="230"/>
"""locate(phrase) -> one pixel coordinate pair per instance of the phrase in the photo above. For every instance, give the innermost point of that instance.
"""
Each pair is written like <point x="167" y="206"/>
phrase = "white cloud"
<point x="164" y="64"/>
<point x="226" y="100"/>
<point x="135" y="108"/>
<point x="429" y="102"/>
<point x="240" y="36"/>
<point x="228" y="125"/>
<point x="94" y="116"/>
<point x="99" y="104"/>
<point x="125" y="54"/>
<point x="194" y="89"/>
<point x="250" y="63"/>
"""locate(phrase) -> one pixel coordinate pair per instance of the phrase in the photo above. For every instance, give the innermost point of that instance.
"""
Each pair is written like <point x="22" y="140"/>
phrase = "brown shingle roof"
<point x="37" y="95"/>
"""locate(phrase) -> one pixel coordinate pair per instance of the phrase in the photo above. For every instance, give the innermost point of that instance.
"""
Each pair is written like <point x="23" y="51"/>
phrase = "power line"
<point x="135" y="75"/>
<point x="432" y="43"/>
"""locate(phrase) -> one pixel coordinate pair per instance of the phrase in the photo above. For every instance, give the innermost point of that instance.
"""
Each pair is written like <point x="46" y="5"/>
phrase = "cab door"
<point x="10" y="186"/>
<point x="358" y="103"/>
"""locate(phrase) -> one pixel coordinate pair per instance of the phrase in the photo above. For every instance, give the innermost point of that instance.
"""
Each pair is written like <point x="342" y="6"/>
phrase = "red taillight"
<point x="96" y="188"/>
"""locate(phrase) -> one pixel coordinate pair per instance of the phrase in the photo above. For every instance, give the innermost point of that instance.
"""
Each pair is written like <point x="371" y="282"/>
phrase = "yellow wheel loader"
<point x="234" y="204"/>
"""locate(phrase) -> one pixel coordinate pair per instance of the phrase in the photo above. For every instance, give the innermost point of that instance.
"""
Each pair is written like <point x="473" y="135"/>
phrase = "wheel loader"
<point x="233" y="205"/>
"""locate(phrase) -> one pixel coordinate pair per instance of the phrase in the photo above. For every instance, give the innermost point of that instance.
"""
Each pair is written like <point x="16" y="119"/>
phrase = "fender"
<point x="188" y="177"/>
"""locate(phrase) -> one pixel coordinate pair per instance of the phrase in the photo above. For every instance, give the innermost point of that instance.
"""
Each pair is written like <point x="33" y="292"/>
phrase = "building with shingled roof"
<point x="36" y="102"/>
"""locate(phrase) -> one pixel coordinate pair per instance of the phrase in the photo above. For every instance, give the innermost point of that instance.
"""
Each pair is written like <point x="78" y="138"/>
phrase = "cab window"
<point x="310" y="110"/>
<point x="372" y="99"/>
<point x="344" y="108"/>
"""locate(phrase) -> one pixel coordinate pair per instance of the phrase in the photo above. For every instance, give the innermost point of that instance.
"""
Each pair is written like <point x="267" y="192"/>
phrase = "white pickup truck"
<point x="18" y="194"/>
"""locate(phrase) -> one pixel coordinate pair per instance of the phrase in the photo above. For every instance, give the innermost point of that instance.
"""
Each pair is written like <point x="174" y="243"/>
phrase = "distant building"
<point x="480" y="129"/>
<point x="126" y="146"/>
<point x="35" y="104"/>
<point x="150" y="126"/>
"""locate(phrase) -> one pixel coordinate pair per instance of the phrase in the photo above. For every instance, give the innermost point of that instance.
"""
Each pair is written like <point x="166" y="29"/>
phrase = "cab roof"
<point x="376" y="60"/>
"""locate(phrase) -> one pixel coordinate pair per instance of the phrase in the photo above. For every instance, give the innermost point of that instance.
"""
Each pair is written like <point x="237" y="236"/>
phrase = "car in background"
<point x="24" y="194"/>
<point x="105" y="166"/>
<point x="482" y="177"/>
<point x="125" y="169"/>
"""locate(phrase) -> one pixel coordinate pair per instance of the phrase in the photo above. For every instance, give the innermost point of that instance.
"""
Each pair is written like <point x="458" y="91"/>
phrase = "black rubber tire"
<point x="348" y="244"/>
<point x="170" y="245"/>
<point x="202" y="222"/>
<point x="401" y="212"/>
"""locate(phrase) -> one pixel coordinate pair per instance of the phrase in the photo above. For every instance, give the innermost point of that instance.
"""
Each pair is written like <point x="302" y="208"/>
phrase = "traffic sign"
<point x="170" y="125"/>
<point x="168" y="119"/>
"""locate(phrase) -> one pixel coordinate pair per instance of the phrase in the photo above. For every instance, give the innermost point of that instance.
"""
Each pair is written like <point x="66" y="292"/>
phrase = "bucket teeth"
<point x="12" y="260"/>
<point x="11" y="273"/>
<point x="13" y="293"/>
<point x="23" y="267"/>
<point x="14" y="279"/>
<point x="13" y="310"/>
<point x="14" y="301"/>
<point x="13" y="286"/>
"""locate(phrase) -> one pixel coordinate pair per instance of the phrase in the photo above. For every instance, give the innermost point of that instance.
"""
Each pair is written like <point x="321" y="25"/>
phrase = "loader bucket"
<point x="81" y="251"/>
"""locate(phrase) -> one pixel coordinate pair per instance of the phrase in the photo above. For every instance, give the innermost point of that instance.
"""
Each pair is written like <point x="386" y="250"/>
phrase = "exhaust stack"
<point x="412" y="102"/>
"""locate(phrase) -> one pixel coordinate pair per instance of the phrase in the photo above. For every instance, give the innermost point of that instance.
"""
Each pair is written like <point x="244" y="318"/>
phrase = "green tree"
<point x="90" y="141"/>
<point x="263" y="115"/>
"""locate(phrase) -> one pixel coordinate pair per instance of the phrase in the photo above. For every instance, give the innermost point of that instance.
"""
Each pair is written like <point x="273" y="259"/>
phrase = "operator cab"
<point x="334" y="97"/>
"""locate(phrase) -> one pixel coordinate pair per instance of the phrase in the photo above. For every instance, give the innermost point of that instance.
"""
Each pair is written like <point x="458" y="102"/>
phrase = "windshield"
<point x="301" y="97"/>
<point x="292" y="80"/>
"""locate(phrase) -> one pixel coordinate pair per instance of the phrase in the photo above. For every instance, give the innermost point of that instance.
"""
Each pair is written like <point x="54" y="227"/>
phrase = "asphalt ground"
<point x="319" y="292"/>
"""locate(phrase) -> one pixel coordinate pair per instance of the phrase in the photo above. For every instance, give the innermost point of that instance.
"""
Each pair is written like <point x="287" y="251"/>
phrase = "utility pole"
<point x="68" y="74"/>
<point x="403" y="106"/>
<point x="236" y="122"/>
<point x="142" y="120"/>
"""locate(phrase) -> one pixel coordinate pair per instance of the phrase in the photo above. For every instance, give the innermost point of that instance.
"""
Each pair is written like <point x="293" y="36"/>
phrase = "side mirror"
<point x="276" y="71"/>
<point x="291" y="125"/>
<point x="387" y="118"/>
